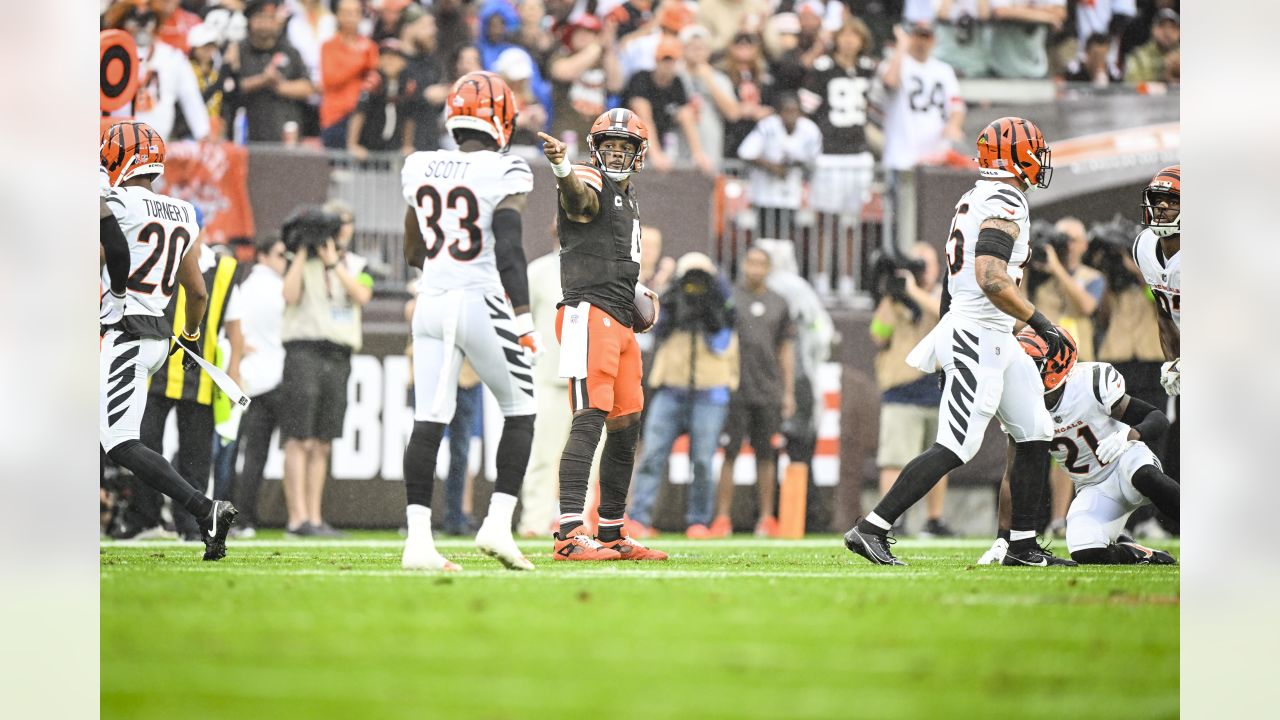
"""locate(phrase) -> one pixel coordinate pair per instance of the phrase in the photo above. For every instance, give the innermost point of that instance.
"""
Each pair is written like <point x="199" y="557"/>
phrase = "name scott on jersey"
<point x="447" y="169"/>
<point x="167" y="211"/>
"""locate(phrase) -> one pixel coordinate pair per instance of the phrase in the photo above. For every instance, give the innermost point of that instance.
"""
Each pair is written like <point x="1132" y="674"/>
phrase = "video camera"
<point x="1109" y="250"/>
<point x="695" y="303"/>
<point x="309" y="226"/>
<point x="887" y="280"/>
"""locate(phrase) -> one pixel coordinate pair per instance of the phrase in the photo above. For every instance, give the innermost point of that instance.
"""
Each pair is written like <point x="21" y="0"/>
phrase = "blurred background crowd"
<point x="806" y="125"/>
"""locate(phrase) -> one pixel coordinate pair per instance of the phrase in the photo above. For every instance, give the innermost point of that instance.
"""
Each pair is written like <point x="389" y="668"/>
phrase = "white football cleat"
<point x="424" y="556"/>
<point x="496" y="542"/>
<point x="995" y="555"/>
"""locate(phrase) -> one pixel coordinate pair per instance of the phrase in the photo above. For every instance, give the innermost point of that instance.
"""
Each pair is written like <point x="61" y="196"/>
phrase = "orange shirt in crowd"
<point x="176" y="26"/>
<point x="343" y="67"/>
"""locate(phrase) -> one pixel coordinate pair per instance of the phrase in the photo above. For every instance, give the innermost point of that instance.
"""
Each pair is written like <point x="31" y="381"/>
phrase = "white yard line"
<point x="658" y="543"/>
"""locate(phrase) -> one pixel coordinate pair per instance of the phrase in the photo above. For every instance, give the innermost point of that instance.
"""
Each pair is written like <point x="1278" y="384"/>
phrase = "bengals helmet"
<point x="130" y="149"/>
<point x="482" y="101"/>
<point x="1166" y="185"/>
<point x="1053" y="370"/>
<point x="1013" y="147"/>
<point x="624" y="124"/>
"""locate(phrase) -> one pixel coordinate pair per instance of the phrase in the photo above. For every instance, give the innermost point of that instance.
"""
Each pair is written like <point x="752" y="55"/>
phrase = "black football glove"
<point x="191" y="345"/>
<point x="1047" y="332"/>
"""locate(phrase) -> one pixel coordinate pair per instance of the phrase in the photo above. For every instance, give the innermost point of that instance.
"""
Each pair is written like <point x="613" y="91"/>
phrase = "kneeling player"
<point x="1100" y="438"/>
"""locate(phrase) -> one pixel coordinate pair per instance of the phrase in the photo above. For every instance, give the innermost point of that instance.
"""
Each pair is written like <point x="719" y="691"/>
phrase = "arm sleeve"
<point x="994" y="242"/>
<point x="116" y="248"/>
<point x="1150" y="423"/>
<point x="509" y="253"/>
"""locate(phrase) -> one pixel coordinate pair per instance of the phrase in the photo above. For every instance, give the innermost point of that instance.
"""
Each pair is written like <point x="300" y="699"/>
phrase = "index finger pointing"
<point x="548" y="139"/>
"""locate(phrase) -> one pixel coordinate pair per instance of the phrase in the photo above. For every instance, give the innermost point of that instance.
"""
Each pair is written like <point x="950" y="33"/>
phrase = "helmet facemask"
<point x="633" y="160"/>
<point x="1151" y="198"/>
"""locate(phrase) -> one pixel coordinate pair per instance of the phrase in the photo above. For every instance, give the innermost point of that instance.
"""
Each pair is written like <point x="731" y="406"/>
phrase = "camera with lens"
<point x="695" y="303"/>
<point x="1043" y="235"/>
<point x="1110" y="245"/>
<point x="309" y="226"/>
<point x="887" y="279"/>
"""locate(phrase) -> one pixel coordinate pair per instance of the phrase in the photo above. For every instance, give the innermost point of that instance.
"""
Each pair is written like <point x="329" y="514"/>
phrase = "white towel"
<point x="924" y="356"/>
<point x="573" y="341"/>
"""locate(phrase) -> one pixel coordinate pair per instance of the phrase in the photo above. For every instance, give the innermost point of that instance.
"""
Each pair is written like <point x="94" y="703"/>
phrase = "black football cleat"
<point x="871" y="546"/>
<point x="214" y="529"/>
<point x="1146" y="555"/>
<point x="1036" y="556"/>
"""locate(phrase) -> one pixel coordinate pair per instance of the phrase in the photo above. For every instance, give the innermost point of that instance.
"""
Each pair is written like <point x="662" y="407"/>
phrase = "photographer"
<point x="695" y="369"/>
<point x="907" y="310"/>
<point x="324" y="290"/>
<point x="1065" y="289"/>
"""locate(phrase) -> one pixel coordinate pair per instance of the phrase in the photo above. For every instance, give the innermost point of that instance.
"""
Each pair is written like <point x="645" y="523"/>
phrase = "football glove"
<point x="112" y="310"/>
<point x="1047" y="332"/>
<point x="1171" y="377"/>
<point x="1113" y="446"/>
<point x="191" y="345"/>
<point x="528" y="337"/>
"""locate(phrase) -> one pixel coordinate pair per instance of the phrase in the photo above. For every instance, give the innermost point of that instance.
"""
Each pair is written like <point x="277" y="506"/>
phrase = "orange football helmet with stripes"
<point x="624" y="124"/>
<point x="1165" y="186"/>
<point x="1014" y="147"/>
<point x="482" y="101"/>
<point x="130" y="149"/>
<point x="1053" y="370"/>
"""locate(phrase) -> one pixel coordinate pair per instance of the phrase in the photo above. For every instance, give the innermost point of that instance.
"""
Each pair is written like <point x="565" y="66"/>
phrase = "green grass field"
<point x="741" y="628"/>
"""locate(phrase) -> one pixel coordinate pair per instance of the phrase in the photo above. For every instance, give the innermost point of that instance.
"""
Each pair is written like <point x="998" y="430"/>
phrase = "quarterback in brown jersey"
<point x="599" y="221"/>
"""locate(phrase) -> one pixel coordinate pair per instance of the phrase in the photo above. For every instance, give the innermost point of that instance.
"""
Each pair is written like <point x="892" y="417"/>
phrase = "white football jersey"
<point x="1164" y="275"/>
<point x="916" y="112"/>
<point x="1082" y="418"/>
<point x="454" y="195"/>
<point x="987" y="199"/>
<point x="160" y="230"/>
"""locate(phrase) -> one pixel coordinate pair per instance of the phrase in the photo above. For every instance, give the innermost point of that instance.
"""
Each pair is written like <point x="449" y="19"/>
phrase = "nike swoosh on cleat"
<point x="213" y="532"/>
<point x="1043" y="562"/>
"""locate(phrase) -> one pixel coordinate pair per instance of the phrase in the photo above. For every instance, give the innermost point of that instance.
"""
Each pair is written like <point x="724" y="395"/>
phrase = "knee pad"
<point x="620" y="445"/>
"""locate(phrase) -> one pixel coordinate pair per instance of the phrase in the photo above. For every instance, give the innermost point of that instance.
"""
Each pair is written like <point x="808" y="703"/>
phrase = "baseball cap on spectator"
<point x="693" y="32"/>
<point x="811" y="6"/>
<point x="201" y="35"/>
<point x="785" y="23"/>
<point x="669" y="48"/>
<point x="694" y="261"/>
<point x="674" y="15"/>
<point x="1167" y="15"/>
<point x="919" y="27"/>
<point x="253" y="7"/>
<point x="514" y="65"/>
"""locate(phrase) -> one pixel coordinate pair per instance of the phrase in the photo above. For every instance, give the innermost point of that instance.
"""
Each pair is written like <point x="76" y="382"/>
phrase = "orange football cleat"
<point x="697" y="531"/>
<point x="581" y="546"/>
<point x="767" y="527"/>
<point x="721" y="527"/>
<point x="629" y="549"/>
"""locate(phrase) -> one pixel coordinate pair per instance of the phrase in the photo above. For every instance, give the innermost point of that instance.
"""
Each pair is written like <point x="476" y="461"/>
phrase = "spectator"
<point x="964" y="36"/>
<point x="499" y="24"/>
<point x="393" y="17"/>
<point x="551" y="423"/>
<point x="165" y="81"/>
<point x="535" y="33"/>
<point x="1104" y="17"/>
<point x="726" y="18"/>
<point x="384" y="118"/>
<point x="638" y="50"/>
<point x="815" y="36"/>
<point x="273" y="84"/>
<point x="782" y="151"/>
<point x="516" y="67"/>
<point x="453" y="30"/>
<point x="190" y="394"/>
<point x="227" y="18"/>
<point x="1067" y="290"/>
<point x="766" y="390"/>
<point x="430" y="78"/>
<point x="261" y="371"/>
<point x="1147" y="63"/>
<point x="782" y="42"/>
<point x="584" y="73"/>
<point x="348" y="59"/>
<point x="1128" y="333"/>
<point x="744" y="65"/>
<point x="925" y="113"/>
<point x="710" y="92"/>
<point x="1019" y="36"/>
<point x="909" y="398"/>
<point x="1093" y="67"/>
<point x="310" y="26"/>
<point x="324" y="290"/>
<point x="211" y="74"/>
<point x="695" y="369"/>
<point x="175" y="23"/>
<point x="836" y="95"/>
<point x="659" y="98"/>
<point x="631" y="16"/>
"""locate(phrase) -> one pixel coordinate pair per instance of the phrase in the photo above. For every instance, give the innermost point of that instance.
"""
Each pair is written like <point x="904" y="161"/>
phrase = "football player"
<point x="463" y="227"/>
<point x="162" y="232"/>
<point x="599" y="220"/>
<point x="985" y="373"/>
<point x="1100" y="438"/>
<point x="1156" y="252"/>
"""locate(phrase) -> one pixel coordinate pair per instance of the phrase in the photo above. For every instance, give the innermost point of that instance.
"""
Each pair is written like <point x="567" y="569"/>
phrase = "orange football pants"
<point x="613" y="365"/>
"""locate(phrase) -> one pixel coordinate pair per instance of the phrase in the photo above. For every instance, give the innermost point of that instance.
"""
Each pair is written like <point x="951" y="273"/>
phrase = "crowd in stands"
<point x="372" y="75"/>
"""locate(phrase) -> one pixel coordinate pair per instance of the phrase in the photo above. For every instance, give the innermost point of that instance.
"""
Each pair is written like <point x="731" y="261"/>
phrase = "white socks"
<point x="1016" y="535"/>
<point x="419" y="518"/>
<point x="501" y="508"/>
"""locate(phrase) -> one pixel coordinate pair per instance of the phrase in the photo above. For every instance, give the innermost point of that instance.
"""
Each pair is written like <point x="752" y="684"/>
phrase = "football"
<point x="646" y="309"/>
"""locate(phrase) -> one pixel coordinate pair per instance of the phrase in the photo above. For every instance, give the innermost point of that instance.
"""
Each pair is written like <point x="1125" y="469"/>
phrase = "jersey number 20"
<point x="466" y="220"/>
<point x="161" y="247"/>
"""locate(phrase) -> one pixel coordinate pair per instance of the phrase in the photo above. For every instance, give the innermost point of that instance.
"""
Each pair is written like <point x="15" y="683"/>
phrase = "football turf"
<point x="725" y="629"/>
